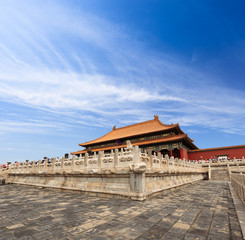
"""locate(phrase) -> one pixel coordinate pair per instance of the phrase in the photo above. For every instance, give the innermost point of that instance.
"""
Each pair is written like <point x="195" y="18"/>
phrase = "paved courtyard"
<point x="200" y="211"/>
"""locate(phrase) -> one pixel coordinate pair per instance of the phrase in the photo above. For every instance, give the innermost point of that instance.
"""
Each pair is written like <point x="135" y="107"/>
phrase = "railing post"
<point x="46" y="165"/>
<point x="21" y="167"/>
<point x="10" y="168"/>
<point x="159" y="155"/>
<point x="62" y="163"/>
<point x="112" y="156"/>
<point x="172" y="163"/>
<point x="183" y="165"/>
<point x="15" y="167"/>
<point x="73" y="162"/>
<point x="86" y="160"/>
<point x="209" y="172"/>
<point x="137" y="175"/>
<point x="136" y="154"/>
<point x="229" y="172"/>
<point x="33" y="166"/>
<point x="179" y="165"/>
<point x="25" y="168"/>
<point x="150" y="158"/>
<point x="39" y="165"/>
<point x="116" y="161"/>
<point x="176" y="165"/>
<point x="192" y="166"/>
<point x="53" y="164"/>
<point x="167" y="161"/>
<point x="18" y="166"/>
<point x="100" y="156"/>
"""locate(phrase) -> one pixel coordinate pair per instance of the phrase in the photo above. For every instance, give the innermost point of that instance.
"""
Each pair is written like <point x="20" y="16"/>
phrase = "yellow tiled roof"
<point x="150" y="126"/>
<point x="140" y="143"/>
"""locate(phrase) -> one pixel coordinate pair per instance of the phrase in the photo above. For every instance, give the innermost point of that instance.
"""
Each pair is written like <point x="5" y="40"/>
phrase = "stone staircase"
<point x="220" y="174"/>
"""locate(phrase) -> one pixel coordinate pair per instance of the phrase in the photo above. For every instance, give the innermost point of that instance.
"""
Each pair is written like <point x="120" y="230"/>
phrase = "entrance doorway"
<point x="164" y="152"/>
<point x="176" y="153"/>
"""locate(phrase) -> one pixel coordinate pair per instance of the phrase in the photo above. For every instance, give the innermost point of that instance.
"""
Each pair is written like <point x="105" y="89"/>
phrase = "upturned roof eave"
<point x="113" y="139"/>
<point x="190" y="142"/>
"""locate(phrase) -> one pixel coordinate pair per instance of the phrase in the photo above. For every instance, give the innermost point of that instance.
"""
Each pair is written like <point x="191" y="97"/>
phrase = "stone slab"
<point x="204" y="210"/>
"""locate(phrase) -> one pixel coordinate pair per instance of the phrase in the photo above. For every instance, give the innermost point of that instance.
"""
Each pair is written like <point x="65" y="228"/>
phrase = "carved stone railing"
<point x="125" y="172"/>
<point x="127" y="159"/>
<point x="225" y="162"/>
<point x="122" y="159"/>
<point x="238" y="183"/>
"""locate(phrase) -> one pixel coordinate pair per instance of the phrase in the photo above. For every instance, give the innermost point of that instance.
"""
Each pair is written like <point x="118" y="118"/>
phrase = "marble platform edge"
<point x="113" y="194"/>
<point x="240" y="209"/>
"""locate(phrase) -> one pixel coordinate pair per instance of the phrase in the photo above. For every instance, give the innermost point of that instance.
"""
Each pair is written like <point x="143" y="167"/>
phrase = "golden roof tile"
<point x="137" y="129"/>
<point x="140" y="143"/>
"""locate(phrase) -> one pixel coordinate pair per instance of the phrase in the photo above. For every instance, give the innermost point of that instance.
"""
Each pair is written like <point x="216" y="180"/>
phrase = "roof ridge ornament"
<point x="156" y="117"/>
<point x="114" y="127"/>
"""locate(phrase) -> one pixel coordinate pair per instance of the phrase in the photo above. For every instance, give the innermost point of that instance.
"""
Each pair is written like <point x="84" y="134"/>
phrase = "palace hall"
<point x="153" y="136"/>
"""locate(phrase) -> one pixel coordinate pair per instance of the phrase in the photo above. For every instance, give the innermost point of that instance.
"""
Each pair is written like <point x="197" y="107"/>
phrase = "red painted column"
<point x="183" y="153"/>
<point x="171" y="152"/>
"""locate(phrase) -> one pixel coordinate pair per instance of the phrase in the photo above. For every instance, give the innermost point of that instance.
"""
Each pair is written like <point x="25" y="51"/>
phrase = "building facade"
<point x="153" y="136"/>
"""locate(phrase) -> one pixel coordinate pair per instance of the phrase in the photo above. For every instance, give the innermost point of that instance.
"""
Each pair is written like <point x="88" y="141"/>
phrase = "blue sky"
<point x="71" y="70"/>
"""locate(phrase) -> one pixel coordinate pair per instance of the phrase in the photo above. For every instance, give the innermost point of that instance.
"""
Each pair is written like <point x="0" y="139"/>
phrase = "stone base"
<point x="156" y="183"/>
<point x="129" y="185"/>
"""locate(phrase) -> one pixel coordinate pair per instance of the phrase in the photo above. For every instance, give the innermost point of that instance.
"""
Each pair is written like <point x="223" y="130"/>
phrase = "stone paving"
<point x="203" y="210"/>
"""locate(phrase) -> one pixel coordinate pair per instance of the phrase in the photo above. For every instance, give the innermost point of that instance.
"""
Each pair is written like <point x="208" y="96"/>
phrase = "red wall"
<point x="206" y="154"/>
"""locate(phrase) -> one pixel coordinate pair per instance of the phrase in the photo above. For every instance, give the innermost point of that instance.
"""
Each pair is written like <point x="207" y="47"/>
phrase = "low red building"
<point x="209" y="153"/>
<point x="154" y="136"/>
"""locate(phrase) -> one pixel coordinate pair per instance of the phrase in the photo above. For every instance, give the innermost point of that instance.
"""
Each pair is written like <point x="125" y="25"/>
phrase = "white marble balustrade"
<point x="122" y="159"/>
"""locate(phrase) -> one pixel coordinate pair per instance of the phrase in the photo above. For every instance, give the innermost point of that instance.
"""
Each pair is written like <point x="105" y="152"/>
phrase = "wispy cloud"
<point x="32" y="126"/>
<point x="88" y="68"/>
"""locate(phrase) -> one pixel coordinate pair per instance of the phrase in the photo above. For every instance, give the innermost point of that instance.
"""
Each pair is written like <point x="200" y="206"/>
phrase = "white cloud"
<point x="32" y="126"/>
<point x="84" y="65"/>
